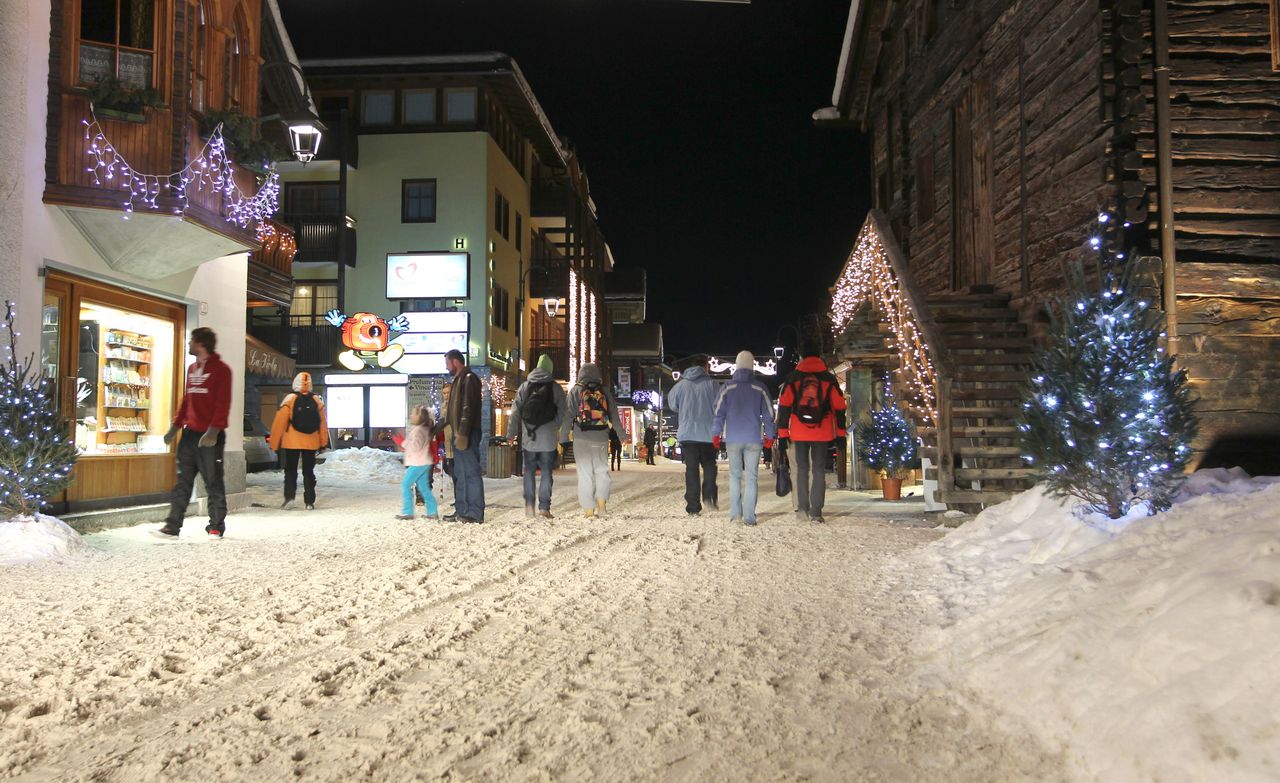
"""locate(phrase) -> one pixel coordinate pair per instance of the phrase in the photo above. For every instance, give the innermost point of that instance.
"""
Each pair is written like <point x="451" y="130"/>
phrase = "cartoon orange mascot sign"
<point x="369" y="338"/>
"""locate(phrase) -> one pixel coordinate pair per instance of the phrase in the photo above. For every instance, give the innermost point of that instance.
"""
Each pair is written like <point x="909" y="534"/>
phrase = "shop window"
<point x="117" y="40"/>
<point x="378" y="107"/>
<point x="460" y="105"/>
<point x="418" y="201"/>
<point x="419" y="107"/>
<point x="124" y="376"/>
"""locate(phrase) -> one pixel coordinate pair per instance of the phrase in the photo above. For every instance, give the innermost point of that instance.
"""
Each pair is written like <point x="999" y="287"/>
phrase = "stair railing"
<point x="876" y="272"/>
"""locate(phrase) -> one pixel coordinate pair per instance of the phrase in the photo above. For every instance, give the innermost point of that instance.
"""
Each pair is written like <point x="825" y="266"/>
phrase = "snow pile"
<point x="25" y="539"/>
<point x="361" y="465"/>
<point x="1147" y="647"/>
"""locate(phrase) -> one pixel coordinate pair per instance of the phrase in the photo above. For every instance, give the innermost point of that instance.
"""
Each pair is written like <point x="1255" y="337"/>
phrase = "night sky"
<point x="693" y="120"/>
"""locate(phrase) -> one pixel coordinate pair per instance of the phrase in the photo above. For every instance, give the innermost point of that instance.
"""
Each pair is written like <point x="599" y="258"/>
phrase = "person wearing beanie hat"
<point x="593" y="412"/>
<point x="744" y="421"/>
<point x="538" y="412"/>
<point x="811" y="414"/>
<point x="298" y="433"/>
<point x="693" y="398"/>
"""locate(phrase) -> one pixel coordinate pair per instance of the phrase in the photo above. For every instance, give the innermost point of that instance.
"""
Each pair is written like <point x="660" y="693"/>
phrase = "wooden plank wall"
<point x="1225" y="128"/>
<point x="1037" y="64"/>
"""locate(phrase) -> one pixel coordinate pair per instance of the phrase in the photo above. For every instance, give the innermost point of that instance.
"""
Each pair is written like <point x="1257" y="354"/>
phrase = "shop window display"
<point x="124" y="382"/>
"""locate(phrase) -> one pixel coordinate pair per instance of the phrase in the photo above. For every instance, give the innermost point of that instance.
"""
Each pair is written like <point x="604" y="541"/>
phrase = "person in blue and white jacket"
<point x="744" y="421"/>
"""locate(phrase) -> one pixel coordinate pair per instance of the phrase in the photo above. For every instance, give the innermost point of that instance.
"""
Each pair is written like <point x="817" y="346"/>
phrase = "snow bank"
<point x="1147" y="647"/>
<point x="26" y="539"/>
<point x="361" y="465"/>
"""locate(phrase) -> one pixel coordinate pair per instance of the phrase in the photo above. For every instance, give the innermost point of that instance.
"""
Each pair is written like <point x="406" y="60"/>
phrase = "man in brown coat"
<point x="462" y="415"/>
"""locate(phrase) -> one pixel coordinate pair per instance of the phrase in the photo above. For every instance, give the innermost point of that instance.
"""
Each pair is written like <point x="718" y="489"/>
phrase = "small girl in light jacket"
<point x="419" y="457"/>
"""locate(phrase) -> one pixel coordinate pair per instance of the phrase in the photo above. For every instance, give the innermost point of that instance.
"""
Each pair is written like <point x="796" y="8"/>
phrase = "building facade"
<point x="128" y="221"/>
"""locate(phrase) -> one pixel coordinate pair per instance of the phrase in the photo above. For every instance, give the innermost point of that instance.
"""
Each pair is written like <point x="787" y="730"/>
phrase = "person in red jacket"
<point x="810" y="415"/>
<point x="202" y="422"/>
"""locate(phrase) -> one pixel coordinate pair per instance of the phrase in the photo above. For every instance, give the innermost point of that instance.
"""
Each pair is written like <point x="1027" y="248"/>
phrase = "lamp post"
<point x="299" y="116"/>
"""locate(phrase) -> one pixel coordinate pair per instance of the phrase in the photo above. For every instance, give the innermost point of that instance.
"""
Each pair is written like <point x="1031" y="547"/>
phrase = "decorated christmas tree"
<point x="36" y="455"/>
<point x="886" y="443"/>
<point x="1109" y="419"/>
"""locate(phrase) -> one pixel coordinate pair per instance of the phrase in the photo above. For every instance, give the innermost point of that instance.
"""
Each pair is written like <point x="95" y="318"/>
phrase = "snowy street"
<point x="343" y="644"/>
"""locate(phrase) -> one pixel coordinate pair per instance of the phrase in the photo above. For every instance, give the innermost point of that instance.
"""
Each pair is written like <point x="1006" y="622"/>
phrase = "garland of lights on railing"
<point x="273" y="241"/>
<point x="211" y="169"/>
<point x="868" y="277"/>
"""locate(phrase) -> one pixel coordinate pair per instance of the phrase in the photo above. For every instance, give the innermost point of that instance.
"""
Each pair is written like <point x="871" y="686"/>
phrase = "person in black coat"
<point x="650" y="443"/>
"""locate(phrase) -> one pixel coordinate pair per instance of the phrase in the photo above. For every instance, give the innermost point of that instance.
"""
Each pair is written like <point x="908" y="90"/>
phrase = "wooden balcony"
<point x="163" y="233"/>
<point x="308" y="343"/>
<point x="270" y="266"/>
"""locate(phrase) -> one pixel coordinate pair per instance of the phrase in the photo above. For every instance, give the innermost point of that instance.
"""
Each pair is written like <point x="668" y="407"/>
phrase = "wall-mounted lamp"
<point x="305" y="128"/>
<point x="552" y="306"/>
<point x="778" y="350"/>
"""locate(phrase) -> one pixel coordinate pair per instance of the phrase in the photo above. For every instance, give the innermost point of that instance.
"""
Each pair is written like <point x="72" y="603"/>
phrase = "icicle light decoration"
<point x="210" y="170"/>
<point x="572" y="318"/>
<point x="868" y="277"/>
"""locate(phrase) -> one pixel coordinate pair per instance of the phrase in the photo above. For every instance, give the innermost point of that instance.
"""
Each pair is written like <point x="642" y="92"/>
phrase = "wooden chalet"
<point x="196" y="59"/>
<point x="998" y="132"/>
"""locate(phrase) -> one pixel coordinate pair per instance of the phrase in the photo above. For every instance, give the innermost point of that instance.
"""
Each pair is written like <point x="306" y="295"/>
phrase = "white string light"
<point x="211" y="170"/>
<point x="573" y="326"/>
<point x="868" y="278"/>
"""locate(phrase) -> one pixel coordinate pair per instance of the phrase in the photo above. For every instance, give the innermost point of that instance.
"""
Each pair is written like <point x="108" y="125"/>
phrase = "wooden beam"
<point x="1241" y="281"/>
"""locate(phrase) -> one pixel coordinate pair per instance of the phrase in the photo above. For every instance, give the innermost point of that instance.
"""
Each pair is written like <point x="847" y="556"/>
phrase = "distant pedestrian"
<point x="419" y="459"/>
<point x="744" y="423"/>
<point x="693" y="399"/>
<point x="811" y="412"/>
<point x="592" y="412"/>
<point x="650" y="443"/>
<point x="615" y="450"/>
<point x="201" y="420"/>
<point x="462" y="416"/>
<point x="300" y="432"/>
<point x="537" y="415"/>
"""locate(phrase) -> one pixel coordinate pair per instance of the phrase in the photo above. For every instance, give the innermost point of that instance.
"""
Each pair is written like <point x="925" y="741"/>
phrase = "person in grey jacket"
<point x="744" y="421"/>
<point x="592" y="412"/>
<point x="693" y="399"/>
<point x="539" y="441"/>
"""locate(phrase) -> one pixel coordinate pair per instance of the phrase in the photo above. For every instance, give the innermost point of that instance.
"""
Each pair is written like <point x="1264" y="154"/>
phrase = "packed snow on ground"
<point x="343" y="644"/>
<point x="25" y="539"/>
<point x="1147" y="648"/>
<point x="362" y="464"/>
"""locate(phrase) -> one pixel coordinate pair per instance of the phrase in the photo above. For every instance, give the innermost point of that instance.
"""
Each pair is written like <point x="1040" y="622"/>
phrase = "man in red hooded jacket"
<point x="810" y="415"/>
<point x="202" y="421"/>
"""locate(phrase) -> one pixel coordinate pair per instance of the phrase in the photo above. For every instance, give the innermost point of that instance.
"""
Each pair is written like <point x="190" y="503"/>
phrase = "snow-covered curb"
<point x="26" y="539"/>
<point x="1148" y="648"/>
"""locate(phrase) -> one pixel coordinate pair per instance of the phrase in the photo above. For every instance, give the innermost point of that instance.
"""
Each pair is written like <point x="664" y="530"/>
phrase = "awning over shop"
<point x="261" y="359"/>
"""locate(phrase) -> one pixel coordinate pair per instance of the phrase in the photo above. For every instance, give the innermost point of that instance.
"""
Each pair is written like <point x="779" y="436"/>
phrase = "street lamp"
<point x="305" y="128"/>
<point x="778" y="350"/>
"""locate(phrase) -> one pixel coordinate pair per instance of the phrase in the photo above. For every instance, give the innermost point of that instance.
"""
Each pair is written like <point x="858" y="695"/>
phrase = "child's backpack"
<point x="811" y="403"/>
<point x="539" y="407"/>
<point x="593" y="408"/>
<point x="306" y="414"/>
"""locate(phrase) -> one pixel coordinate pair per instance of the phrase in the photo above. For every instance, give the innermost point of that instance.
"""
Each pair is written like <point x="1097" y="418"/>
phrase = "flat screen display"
<point x="429" y="337"/>
<point x="428" y="275"/>
<point x="344" y="406"/>
<point x="388" y="406"/>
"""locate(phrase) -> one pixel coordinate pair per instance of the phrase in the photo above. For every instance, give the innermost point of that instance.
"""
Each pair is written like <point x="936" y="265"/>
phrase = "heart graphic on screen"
<point x="406" y="271"/>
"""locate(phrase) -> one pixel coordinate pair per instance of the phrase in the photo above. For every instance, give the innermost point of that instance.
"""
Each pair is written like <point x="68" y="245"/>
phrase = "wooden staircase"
<point x="989" y="356"/>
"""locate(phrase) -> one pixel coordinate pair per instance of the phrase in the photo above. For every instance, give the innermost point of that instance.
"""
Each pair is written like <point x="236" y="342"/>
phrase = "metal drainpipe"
<point x="1164" y="170"/>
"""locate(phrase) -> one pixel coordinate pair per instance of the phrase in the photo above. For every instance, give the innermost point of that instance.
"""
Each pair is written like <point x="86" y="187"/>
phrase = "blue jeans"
<point x="744" y="480"/>
<point x="468" y="484"/>
<point x="533" y="461"/>
<point x="421" y="476"/>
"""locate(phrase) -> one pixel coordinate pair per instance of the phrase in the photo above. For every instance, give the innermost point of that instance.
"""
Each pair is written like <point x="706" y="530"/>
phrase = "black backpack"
<point x="306" y="414"/>
<point x="539" y="406"/>
<point x="811" y="400"/>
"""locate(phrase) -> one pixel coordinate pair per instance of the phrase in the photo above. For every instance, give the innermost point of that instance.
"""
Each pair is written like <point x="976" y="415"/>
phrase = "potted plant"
<point x="114" y="99"/>
<point x="245" y="146"/>
<point x="888" y="445"/>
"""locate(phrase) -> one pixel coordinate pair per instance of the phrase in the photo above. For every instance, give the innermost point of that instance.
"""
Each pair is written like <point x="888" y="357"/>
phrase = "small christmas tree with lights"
<point x="886" y="443"/>
<point x="36" y="455"/>
<point x="1109" y="419"/>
